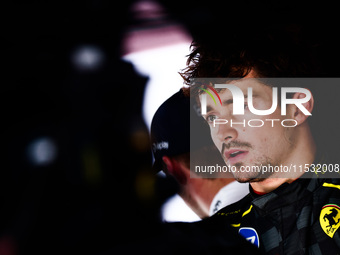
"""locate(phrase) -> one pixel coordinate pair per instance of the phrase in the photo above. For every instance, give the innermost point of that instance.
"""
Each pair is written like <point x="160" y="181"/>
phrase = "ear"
<point x="297" y="114"/>
<point x="175" y="169"/>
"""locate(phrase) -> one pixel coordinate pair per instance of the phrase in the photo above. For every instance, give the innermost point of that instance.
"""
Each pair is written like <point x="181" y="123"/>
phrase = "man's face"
<point x="243" y="145"/>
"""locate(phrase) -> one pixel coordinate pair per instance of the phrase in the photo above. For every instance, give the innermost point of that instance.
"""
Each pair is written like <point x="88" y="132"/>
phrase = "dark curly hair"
<point x="276" y="51"/>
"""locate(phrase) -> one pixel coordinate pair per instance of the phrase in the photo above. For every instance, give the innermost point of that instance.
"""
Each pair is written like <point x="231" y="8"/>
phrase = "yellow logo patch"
<point x="330" y="219"/>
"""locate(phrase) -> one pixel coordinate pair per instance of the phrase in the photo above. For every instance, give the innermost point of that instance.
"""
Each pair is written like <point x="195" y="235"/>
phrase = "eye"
<point x="211" y="118"/>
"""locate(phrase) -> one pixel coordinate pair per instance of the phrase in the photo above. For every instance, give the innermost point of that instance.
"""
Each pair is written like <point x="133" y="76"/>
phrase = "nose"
<point x="225" y="133"/>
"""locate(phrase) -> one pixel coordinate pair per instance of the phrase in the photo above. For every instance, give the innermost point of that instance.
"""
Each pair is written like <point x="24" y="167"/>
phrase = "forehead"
<point x="253" y="83"/>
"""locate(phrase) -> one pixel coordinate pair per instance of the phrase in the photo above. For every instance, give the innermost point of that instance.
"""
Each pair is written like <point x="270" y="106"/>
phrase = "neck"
<point x="268" y="185"/>
<point x="303" y="152"/>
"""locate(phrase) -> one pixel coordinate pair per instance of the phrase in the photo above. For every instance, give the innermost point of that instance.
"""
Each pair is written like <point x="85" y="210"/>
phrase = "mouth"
<point x="235" y="155"/>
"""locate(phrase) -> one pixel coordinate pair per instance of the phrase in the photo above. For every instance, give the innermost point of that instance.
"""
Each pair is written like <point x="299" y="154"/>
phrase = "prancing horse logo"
<point x="330" y="219"/>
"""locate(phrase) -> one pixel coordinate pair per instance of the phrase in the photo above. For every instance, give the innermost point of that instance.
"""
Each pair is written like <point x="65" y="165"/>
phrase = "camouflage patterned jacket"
<point x="298" y="218"/>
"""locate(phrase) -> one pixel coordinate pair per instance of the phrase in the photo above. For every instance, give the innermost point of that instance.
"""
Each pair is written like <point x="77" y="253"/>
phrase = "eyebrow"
<point x="228" y="101"/>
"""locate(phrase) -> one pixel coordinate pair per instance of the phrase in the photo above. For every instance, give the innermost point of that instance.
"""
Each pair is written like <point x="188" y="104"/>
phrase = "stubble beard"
<point x="253" y="176"/>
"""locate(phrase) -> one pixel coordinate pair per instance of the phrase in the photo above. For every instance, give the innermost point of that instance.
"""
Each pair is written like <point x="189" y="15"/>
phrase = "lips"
<point x="235" y="155"/>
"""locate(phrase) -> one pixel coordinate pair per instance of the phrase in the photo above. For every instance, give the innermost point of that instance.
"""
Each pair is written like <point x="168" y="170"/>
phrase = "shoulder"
<point x="333" y="183"/>
<point x="236" y="209"/>
<point x="327" y="193"/>
<point x="228" y="195"/>
<point x="226" y="217"/>
<point x="330" y="185"/>
<point x="330" y="190"/>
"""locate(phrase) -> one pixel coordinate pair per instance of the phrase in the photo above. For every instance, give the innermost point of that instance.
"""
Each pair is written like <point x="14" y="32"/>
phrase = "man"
<point x="286" y="212"/>
<point x="170" y="132"/>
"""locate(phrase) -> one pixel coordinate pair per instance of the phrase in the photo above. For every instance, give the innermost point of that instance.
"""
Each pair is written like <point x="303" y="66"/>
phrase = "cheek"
<point x="273" y="141"/>
<point x="276" y="114"/>
<point x="266" y="138"/>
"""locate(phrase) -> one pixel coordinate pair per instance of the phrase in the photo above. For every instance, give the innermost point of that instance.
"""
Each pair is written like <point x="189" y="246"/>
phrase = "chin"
<point x="254" y="177"/>
<point x="245" y="180"/>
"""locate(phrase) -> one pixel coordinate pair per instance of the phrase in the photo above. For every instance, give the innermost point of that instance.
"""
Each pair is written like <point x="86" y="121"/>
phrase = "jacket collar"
<point x="285" y="194"/>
